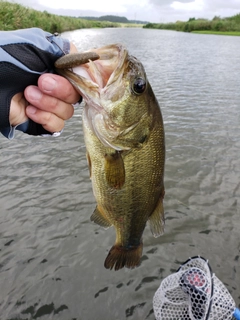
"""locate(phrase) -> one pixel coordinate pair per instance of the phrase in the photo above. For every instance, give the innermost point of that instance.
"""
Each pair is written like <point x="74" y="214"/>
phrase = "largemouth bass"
<point x="124" y="137"/>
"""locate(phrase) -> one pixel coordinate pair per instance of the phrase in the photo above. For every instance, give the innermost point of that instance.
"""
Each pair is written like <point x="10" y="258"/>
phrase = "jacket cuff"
<point x="30" y="128"/>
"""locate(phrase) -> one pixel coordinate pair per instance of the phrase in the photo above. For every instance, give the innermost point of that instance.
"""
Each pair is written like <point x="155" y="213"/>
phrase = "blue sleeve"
<point x="25" y="55"/>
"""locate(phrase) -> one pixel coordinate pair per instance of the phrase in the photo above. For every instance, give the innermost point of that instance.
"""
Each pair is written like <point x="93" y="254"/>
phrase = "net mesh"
<point x="193" y="293"/>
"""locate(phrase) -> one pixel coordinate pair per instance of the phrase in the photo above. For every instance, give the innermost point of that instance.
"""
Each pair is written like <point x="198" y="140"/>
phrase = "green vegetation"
<point x="225" y="33"/>
<point x="226" y="26"/>
<point x="15" y="16"/>
<point x="108" y="18"/>
<point x="131" y="25"/>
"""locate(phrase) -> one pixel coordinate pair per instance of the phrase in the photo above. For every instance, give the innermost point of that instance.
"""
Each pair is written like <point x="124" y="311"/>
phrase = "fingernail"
<point x="48" y="84"/>
<point x="34" y="93"/>
<point x="31" y="110"/>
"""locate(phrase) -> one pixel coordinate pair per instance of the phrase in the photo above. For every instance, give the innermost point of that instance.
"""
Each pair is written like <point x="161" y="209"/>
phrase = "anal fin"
<point x="156" y="219"/>
<point x="114" y="170"/>
<point x="99" y="218"/>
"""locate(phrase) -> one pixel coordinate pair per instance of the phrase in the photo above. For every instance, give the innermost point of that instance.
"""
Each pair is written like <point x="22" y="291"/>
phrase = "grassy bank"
<point x="224" y="26"/>
<point x="131" y="25"/>
<point x="226" y="33"/>
<point x="15" y="16"/>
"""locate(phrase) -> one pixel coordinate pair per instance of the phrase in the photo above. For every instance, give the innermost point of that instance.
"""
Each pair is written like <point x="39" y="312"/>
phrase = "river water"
<point x="52" y="256"/>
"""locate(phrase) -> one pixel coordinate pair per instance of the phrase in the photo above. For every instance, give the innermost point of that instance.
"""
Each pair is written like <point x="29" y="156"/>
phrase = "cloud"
<point x="222" y="8"/>
<point x="145" y="10"/>
<point x="171" y="10"/>
<point x="197" y="5"/>
<point x="221" y="4"/>
<point x="161" y="3"/>
<point x="101" y="6"/>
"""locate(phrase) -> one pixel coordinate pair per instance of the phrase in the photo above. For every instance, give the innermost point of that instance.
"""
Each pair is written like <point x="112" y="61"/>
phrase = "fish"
<point x="125" y="147"/>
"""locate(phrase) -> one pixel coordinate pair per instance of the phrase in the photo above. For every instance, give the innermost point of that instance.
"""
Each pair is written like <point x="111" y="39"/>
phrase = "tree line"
<point x="216" y="24"/>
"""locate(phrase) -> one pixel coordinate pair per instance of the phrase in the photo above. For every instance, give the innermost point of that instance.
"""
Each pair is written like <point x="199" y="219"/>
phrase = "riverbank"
<point x="226" y="33"/>
<point x="223" y="26"/>
<point x="15" y="16"/>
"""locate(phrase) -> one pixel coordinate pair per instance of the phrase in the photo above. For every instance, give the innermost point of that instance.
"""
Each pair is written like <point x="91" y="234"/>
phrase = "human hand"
<point x="49" y="103"/>
<point x="33" y="99"/>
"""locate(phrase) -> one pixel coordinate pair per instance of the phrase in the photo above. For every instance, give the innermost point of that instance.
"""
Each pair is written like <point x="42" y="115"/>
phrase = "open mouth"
<point x="104" y="70"/>
<point x="99" y="81"/>
<point x="99" y="66"/>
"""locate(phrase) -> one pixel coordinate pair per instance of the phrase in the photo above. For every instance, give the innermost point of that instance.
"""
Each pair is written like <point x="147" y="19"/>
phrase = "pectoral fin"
<point x="99" y="217"/>
<point x="114" y="169"/>
<point x="156" y="219"/>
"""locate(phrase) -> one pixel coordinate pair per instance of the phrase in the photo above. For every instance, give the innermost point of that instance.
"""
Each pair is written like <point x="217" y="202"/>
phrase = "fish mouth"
<point x="106" y="69"/>
<point x="94" y="80"/>
<point x="100" y="83"/>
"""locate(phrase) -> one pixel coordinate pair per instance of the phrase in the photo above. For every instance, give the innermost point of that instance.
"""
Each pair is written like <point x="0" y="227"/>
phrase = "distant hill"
<point x="113" y="18"/>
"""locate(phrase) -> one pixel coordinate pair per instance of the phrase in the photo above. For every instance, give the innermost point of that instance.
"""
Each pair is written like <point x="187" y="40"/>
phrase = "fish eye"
<point x="139" y="85"/>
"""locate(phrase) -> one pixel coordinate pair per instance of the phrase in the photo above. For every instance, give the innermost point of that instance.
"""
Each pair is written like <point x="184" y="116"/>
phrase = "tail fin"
<point x="119" y="257"/>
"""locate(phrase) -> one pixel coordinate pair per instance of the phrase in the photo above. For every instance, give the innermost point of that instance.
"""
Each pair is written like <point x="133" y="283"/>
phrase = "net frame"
<point x="174" y="302"/>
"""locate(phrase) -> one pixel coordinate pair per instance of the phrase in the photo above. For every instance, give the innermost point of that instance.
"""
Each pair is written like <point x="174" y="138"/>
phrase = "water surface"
<point x="52" y="256"/>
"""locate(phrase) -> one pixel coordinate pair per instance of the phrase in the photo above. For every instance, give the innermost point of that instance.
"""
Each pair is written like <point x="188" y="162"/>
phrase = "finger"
<point x="73" y="48"/>
<point x="48" y="120"/>
<point x="48" y="103"/>
<point x="58" y="87"/>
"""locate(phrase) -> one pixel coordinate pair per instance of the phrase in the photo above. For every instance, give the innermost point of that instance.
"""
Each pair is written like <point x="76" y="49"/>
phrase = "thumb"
<point x="17" y="112"/>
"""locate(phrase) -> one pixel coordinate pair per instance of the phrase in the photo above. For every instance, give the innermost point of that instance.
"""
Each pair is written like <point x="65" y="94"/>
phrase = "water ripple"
<point x="52" y="256"/>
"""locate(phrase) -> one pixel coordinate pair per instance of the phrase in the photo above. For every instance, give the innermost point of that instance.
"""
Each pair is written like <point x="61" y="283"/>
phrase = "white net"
<point x="193" y="293"/>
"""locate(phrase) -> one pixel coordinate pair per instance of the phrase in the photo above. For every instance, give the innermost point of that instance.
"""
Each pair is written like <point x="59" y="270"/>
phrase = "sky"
<point x="144" y="10"/>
